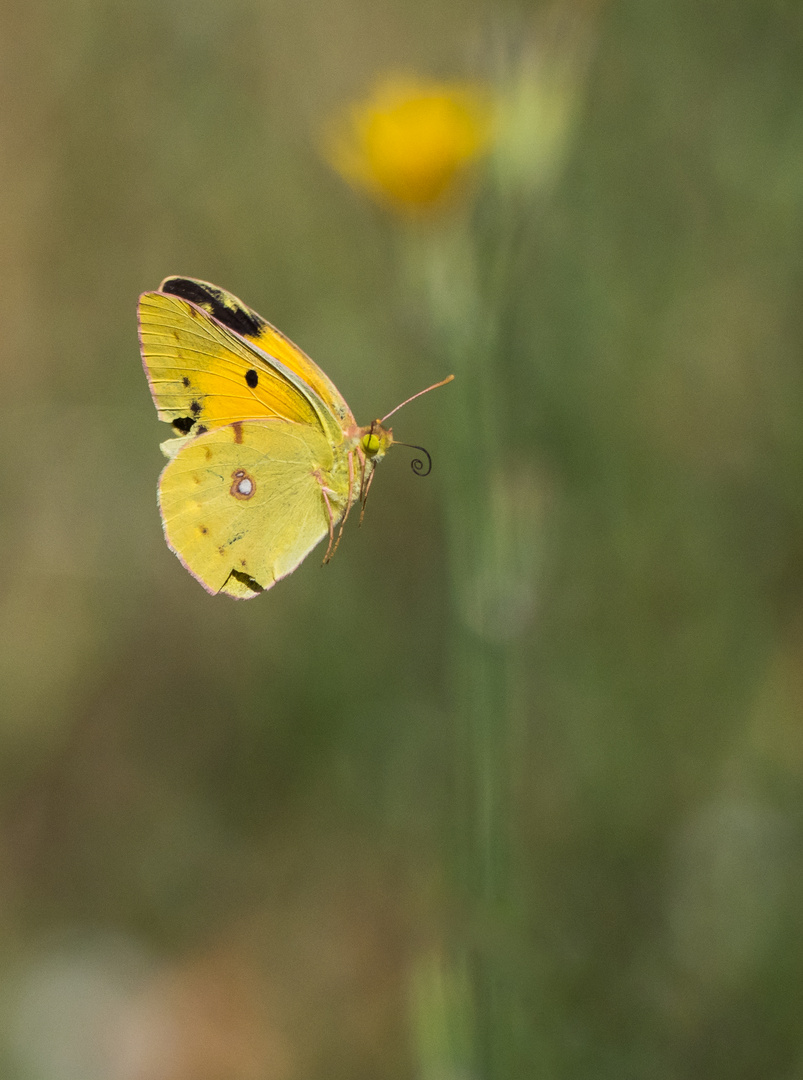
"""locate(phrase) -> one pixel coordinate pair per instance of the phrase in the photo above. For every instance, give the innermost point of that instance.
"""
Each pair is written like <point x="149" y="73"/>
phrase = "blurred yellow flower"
<point x="410" y="143"/>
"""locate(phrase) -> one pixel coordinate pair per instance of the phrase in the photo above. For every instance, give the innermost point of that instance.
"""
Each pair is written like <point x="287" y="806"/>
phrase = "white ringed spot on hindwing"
<point x="244" y="486"/>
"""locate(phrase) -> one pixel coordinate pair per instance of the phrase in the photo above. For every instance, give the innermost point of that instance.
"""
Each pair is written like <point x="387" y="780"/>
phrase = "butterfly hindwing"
<point x="242" y="505"/>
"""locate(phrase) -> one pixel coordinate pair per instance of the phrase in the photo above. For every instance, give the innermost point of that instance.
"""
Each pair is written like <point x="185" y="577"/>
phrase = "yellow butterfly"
<point x="268" y="457"/>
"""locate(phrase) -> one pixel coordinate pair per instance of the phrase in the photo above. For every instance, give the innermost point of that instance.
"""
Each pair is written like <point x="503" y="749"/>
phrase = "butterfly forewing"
<point x="203" y="375"/>
<point x="230" y="311"/>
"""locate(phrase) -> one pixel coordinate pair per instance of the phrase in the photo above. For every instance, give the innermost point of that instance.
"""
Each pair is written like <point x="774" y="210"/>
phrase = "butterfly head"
<point x="375" y="441"/>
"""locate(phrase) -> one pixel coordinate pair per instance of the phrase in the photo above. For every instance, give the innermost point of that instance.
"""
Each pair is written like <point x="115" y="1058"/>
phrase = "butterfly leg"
<point x="328" y="505"/>
<point x="362" y="495"/>
<point x="366" y="487"/>
<point x="330" y="553"/>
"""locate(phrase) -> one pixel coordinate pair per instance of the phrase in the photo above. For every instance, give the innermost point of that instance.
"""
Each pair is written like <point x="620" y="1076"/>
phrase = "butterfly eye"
<point x="370" y="444"/>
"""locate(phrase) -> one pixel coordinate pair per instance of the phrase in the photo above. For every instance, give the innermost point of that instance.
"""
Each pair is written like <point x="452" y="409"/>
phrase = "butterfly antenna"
<point x="434" y="386"/>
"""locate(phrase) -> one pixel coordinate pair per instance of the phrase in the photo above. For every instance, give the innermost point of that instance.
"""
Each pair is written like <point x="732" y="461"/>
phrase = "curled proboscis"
<point x="419" y="467"/>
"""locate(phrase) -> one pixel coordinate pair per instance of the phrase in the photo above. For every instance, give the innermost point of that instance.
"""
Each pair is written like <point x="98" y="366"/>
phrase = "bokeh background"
<point x="514" y="787"/>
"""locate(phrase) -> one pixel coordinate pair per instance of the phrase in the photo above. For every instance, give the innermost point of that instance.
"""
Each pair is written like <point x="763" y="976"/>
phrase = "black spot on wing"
<point x="195" y="407"/>
<point x="220" y="305"/>
<point x="183" y="424"/>
<point x="201" y="430"/>
<point x="251" y="377"/>
<point x="185" y="380"/>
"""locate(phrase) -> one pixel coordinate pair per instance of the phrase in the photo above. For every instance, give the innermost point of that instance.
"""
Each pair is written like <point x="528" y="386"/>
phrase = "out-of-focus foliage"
<point x="514" y="787"/>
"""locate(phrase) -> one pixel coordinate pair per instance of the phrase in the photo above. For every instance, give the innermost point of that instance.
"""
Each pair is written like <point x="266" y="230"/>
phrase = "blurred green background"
<point x="514" y="787"/>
